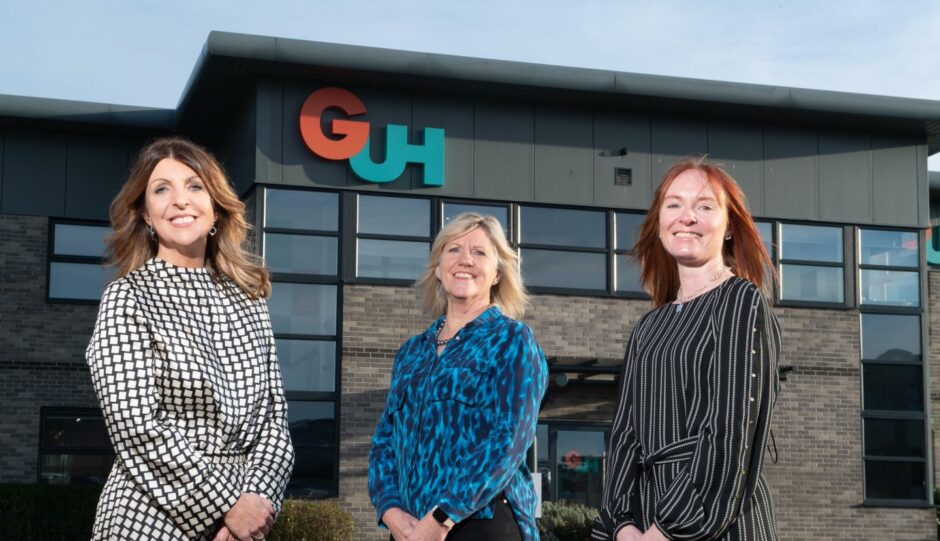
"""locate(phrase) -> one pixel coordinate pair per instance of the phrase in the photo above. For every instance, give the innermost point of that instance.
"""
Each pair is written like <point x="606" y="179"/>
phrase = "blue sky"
<point x="141" y="52"/>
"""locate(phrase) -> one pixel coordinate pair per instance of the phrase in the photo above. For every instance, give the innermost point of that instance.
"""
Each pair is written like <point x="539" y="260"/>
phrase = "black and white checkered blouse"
<point x="188" y="380"/>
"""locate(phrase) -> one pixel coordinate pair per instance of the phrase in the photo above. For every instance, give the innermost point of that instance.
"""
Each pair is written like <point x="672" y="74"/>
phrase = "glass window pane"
<point x="86" y="240"/>
<point x="65" y="430"/>
<point x="563" y="227"/>
<point x="628" y="229"/>
<point x="82" y="281"/>
<point x="574" y="270"/>
<point x="890" y="337"/>
<point x="300" y="254"/>
<point x="893" y="387"/>
<point x="807" y="283"/>
<point x="628" y="275"/>
<point x="394" y="216"/>
<point x="541" y="439"/>
<point x="307" y="365"/>
<point x="303" y="308"/>
<point x="766" y="230"/>
<point x="297" y="209"/>
<point x="895" y="480"/>
<point x="312" y="424"/>
<point x="451" y="210"/>
<point x="580" y="466"/>
<point x="544" y="465"/>
<point x="894" y="437"/>
<point x="64" y="469"/>
<point x="391" y="259"/>
<point x="811" y="243"/>
<point x="895" y="248"/>
<point x="890" y="288"/>
<point x="314" y="474"/>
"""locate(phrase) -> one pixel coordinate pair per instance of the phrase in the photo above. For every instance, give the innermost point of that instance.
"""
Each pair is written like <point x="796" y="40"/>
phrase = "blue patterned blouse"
<point x="456" y="428"/>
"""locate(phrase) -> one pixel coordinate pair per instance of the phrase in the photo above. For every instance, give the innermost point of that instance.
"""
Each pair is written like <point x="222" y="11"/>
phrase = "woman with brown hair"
<point x="699" y="380"/>
<point x="183" y="361"/>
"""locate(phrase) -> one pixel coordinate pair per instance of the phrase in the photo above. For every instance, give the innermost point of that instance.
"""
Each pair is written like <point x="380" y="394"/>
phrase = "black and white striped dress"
<point x="693" y="416"/>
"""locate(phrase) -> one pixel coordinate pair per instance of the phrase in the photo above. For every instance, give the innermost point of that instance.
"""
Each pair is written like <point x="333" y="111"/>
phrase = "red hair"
<point x="744" y="252"/>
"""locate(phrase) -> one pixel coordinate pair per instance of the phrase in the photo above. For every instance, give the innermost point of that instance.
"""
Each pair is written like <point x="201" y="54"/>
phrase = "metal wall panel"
<point x="382" y="109"/>
<point x="503" y="152"/>
<point x="894" y="181"/>
<point x="34" y="173"/>
<point x="2" y="152"/>
<point x="269" y="129"/>
<point x="672" y="139"/>
<point x="300" y="166"/>
<point x="97" y="168"/>
<point x="739" y="149"/>
<point x="456" y="119"/>
<point x="238" y="148"/>
<point x="563" y="157"/>
<point x="844" y="177"/>
<point x="790" y="182"/>
<point x="923" y="187"/>
<point x="614" y="134"/>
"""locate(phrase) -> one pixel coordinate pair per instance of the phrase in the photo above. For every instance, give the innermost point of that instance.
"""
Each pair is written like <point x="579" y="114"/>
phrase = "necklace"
<point x="441" y="342"/>
<point x="682" y="297"/>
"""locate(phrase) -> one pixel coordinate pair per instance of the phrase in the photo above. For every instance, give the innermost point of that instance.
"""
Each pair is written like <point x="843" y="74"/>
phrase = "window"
<point x="888" y="268"/>
<point x="393" y="237"/>
<point x="500" y="212"/>
<point x="571" y="459"/>
<point x="76" y="262"/>
<point x="73" y="446"/>
<point x="563" y="249"/>
<point x="812" y="268"/>
<point x="626" y="231"/>
<point x="301" y="248"/>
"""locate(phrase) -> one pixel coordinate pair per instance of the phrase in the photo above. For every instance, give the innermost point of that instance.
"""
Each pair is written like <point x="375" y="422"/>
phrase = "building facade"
<point x="350" y="159"/>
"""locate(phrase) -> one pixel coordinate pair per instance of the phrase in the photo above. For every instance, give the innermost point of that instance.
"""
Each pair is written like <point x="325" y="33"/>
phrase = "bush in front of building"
<point x="306" y="520"/>
<point x="47" y="512"/>
<point x="564" y="521"/>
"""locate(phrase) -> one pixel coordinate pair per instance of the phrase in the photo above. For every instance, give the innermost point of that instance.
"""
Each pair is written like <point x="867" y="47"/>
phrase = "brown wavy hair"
<point x="130" y="245"/>
<point x="744" y="252"/>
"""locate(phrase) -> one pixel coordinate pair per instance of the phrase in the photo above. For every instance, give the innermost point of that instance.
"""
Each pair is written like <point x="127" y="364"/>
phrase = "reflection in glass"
<point x="810" y="283"/>
<point x="766" y="230"/>
<point x="303" y="308"/>
<point x="574" y="270"/>
<point x="628" y="275"/>
<point x="563" y="227"/>
<point x="311" y="423"/>
<point x="628" y="229"/>
<point x="894" y="437"/>
<point x="314" y="474"/>
<point x="300" y="254"/>
<point x="893" y="248"/>
<point x="307" y="365"/>
<point x="451" y="210"/>
<point x="893" y="387"/>
<point x="66" y="469"/>
<point x="80" y="281"/>
<point x="83" y="240"/>
<point x="890" y="337"/>
<point x="544" y="465"/>
<point x="811" y="243"/>
<point x="895" y="480"/>
<point x="394" y="216"/>
<point x="580" y="463"/>
<point x="890" y="288"/>
<point x="62" y="430"/>
<point x="297" y="209"/>
<point x="391" y="259"/>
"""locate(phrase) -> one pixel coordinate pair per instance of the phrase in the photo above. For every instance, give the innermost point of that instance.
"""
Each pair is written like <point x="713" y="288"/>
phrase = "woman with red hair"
<point x="699" y="380"/>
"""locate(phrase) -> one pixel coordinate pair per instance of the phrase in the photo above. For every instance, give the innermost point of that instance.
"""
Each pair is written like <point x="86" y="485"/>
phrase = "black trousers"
<point x="502" y="527"/>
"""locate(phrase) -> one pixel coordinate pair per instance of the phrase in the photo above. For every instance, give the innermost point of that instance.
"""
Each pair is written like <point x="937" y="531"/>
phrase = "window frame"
<point x="573" y="426"/>
<point x="52" y="257"/>
<point x="42" y="450"/>
<point x="848" y="251"/>
<point x="615" y="251"/>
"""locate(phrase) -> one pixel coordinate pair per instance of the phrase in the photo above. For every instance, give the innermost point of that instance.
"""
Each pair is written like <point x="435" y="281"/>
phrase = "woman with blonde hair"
<point x="183" y="361"/>
<point x="448" y="454"/>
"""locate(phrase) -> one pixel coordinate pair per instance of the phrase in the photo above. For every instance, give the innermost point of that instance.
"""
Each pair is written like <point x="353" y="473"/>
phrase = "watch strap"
<point x="441" y="517"/>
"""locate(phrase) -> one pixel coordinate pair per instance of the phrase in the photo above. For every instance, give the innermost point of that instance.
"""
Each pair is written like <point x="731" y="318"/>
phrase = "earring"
<point x="213" y="231"/>
<point x="496" y="281"/>
<point x="153" y="234"/>
<point x="728" y="236"/>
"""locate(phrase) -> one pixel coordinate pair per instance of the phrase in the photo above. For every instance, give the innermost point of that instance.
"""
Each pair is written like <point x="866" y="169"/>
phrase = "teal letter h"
<point x="399" y="153"/>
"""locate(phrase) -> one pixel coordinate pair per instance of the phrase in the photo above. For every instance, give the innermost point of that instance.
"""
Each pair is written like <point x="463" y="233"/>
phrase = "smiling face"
<point x="468" y="268"/>
<point x="180" y="210"/>
<point x="692" y="220"/>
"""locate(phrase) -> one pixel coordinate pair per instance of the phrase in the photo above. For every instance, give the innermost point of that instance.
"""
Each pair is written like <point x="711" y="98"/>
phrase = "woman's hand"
<point x="653" y="534"/>
<point x="629" y="533"/>
<point x="400" y="523"/>
<point x="250" y="518"/>
<point x="223" y="535"/>
<point x="429" y="529"/>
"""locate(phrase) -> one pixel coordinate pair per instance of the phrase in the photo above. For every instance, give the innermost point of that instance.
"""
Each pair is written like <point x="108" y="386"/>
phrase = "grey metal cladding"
<point x="383" y="108"/>
<point x="622" y="141"/>
<point x="845" y="177"/>
<point x="790" y="182"/>
<point x="894" y="181"/>
<point x="455" y="117"/>
<point x="923" y="186"/>
<point x="97" y="168"/>
<point x="503" y="151"/>
<point x="269" y="120"/>
<point x="739" y="148"/>
<point x="674" y="138"/>
<point x="563" y="156"/>
<point x="34" y="173"/>
<point x="2" y="152"/>
<point x="301" y="167"/>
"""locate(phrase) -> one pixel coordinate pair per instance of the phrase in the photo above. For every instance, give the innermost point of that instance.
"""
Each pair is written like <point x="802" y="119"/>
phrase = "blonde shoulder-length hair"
<point x="509" y="293"/>
<point x="130" y="244"/>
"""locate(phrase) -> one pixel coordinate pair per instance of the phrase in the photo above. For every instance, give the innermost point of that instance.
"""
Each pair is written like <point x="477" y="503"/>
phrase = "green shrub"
<point x="47" y="512"/>
<point x="305" y="520"/>
<point x="563" y="521"/>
